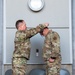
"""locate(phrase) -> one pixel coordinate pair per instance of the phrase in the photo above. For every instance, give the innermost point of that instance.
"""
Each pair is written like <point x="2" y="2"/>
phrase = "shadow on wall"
<point x="39" y="72"/>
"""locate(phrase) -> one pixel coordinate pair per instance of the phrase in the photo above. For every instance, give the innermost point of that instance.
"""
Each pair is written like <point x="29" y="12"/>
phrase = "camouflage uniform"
<point x="22" y="49"/>
<point x="52" y="50"/>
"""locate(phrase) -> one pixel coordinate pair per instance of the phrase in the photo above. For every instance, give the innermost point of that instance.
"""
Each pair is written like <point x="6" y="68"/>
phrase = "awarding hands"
<point x="46" y="24"/>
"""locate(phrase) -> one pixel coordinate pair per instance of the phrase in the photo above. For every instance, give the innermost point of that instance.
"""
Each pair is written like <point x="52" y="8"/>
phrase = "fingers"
<point x="46" y="24"/>
<point x="51" y="60"/>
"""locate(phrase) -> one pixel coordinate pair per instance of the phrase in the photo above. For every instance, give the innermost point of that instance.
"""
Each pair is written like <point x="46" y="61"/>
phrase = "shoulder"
<point x="19" y="33"/>
<point x="54" y="33"/>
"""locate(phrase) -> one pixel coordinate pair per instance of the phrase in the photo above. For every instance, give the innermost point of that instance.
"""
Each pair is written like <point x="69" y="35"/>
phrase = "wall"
<point x="1" y="24"/>
<point x="1" y="35"/>
<point x="59" y="21"/>
<point x="73" y="3"/>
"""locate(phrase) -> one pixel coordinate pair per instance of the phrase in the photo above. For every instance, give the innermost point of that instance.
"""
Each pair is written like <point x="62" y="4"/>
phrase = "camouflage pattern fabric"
<point x="22" y="41"/>
<point x="19" y="66"/>
<point x="22" y="49"/>
<point x="51" y="49"/>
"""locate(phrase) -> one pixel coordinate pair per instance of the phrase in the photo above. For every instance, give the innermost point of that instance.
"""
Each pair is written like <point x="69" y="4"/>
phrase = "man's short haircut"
<point x="41" y="32"/>
<point x="17" y="23"/>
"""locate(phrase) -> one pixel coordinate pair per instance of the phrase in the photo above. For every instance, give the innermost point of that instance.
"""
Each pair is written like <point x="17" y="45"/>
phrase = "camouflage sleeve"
<point x="19" y="36"/>
<point x="22" y="35"/>
<point x="33" y="31"/>
<point x="47" y="47"/>
<point x="55" y="45"/>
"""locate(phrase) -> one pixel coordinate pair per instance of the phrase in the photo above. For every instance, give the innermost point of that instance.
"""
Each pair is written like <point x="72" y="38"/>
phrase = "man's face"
<point x="45" y="31"/>
<point x="22" y="26"/>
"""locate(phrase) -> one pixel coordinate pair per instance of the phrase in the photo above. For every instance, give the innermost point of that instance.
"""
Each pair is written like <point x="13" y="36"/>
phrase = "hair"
<point x="17" y="23"/>
<point x="41" y="32"/>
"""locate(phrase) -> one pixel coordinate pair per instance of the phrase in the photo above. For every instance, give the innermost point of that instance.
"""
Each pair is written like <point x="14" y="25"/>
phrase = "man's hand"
<point x="51" y="60"/>
<point x="46" y="24"/>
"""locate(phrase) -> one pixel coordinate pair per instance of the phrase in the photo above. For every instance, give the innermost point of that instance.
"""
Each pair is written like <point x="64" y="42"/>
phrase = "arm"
<point x="55" y="46"/>
<point x="47" y="47"/>
<point x="22" y="35"/>
<point x="33" y="31"/>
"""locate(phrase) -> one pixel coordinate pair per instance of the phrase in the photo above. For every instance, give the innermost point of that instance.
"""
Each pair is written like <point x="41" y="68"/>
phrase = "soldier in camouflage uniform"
<point x="22" y="46"/>
<point x="51" y="52"/>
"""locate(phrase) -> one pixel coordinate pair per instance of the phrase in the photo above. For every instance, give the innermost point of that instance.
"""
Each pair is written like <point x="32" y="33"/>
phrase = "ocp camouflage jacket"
<point x="22" y="41"/>
<point x="51" y="47"/>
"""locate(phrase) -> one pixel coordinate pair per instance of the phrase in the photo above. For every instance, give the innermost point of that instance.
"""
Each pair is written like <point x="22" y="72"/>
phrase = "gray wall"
<point x="1" y="35"/>
<point x="73" y="3"/>
<point x="59" y="21"/>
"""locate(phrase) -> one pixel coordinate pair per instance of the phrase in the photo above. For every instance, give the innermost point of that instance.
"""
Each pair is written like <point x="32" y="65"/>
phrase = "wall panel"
<point x="56" y="13"/>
